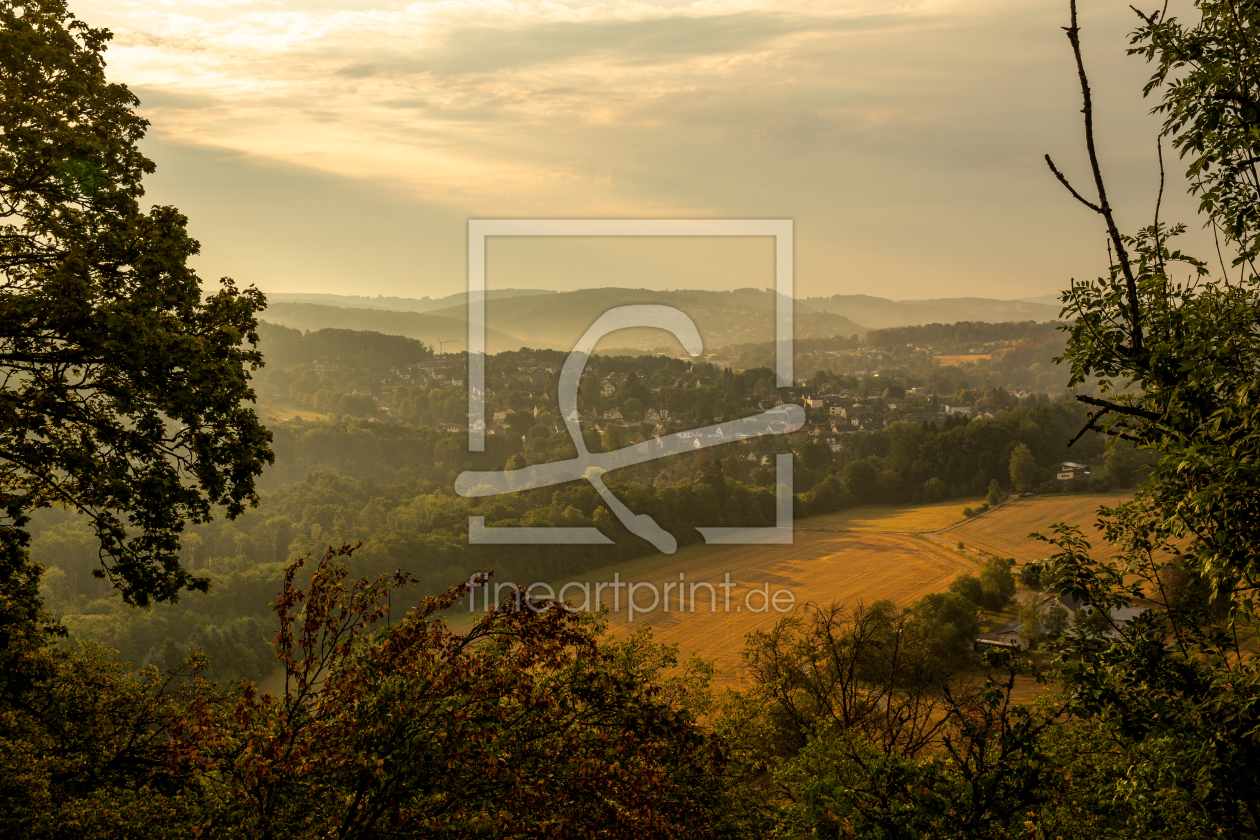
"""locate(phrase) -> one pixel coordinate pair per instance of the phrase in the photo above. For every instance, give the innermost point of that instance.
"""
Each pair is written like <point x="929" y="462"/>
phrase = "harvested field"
<point x="1004" y="531"/>
<point x="275" y="412"/>
<point x="896" y="519"/>
<point x="948" y="361"/>
<point x="817" y="567"/>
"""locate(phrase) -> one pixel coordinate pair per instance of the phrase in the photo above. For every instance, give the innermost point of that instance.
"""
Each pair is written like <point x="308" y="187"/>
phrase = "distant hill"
<point x="878" y="313"/>
<point x="1048" y="300"/>
<point x="723" y="318"/>
<point x="396" y="304"/>
<point x="518" y="318"/>
<point x="418" y="325"/>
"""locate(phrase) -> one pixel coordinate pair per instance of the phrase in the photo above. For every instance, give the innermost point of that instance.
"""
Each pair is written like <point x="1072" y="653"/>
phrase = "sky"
<point x="340" y="147"/>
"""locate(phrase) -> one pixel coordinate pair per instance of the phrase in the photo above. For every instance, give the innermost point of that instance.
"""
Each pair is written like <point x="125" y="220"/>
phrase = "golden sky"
<point x="338" y="146"/>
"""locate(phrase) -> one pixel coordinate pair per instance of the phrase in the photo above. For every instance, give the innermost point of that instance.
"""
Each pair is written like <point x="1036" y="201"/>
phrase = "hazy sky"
<point x="331" y="146"/>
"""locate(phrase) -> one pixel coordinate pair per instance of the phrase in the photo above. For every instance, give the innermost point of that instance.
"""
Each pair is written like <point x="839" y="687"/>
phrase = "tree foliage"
<point x="124" y="391"/>
<point x="1177" y="360"/>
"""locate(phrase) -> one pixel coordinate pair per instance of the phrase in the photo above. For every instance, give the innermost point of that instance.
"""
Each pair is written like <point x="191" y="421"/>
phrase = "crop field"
<point x="947" y="361"/>
<point x="817" y="567"/>
<point x="275" y="412"/>
<point x="1004" y="531"/>
<point x="895" y="519"/>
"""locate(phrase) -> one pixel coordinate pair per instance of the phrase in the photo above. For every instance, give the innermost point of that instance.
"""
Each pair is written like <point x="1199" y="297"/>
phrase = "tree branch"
<point x="1104" y="207"/>
<point x="1118" y="408"/>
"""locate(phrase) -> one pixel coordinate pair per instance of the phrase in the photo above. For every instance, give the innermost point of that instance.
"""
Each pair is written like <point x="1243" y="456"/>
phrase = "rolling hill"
<point x="518" y="318"/>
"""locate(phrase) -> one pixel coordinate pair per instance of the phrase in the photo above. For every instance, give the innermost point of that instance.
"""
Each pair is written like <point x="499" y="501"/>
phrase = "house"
<point x="607" y="389"/>
<point x="614" y="414"/>
<point x="956" y="410"/>
<point x="1069" y="470"/>
<point x="1008" y="634"/>
<point x="813" y="402"/>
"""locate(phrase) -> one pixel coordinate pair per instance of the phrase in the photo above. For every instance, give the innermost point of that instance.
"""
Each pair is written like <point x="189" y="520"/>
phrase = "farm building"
<point x="1069" y="470"/>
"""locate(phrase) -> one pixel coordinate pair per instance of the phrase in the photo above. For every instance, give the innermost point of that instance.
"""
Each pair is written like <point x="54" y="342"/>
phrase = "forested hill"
<point x="528" y="318"/>
<point x="962" y="337"/>
<point x="283" y="346"/>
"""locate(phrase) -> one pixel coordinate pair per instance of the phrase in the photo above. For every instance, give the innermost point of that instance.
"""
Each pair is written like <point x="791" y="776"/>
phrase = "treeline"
<point x="958" y="336"/>
<point x="287" y="347"/>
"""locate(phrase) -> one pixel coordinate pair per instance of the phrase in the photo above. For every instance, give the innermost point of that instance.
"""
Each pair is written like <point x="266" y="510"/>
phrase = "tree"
<point x="1023" y="469"/>
<point x="996" y="494"/>
<point x="968" y="586"/>
<point x="1032" y="617"/>
<point x="998" y="583"/>
<point x="1175" y="351"/>
<point x="1122" y="462"/>
<point x="1057" y="620"/>
<point x="949" y="623"/>
<point x="528" y="724"/>
<point x="1030" y="575"/>
<point x="126" y="395"/>
<point x="934" y="490"/>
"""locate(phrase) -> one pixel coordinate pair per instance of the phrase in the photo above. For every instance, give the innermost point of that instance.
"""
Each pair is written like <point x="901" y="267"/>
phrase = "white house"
<point x="1069" y="470"/>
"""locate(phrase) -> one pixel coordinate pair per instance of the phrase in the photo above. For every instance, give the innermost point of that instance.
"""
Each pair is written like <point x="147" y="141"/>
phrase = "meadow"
<point x="862" y="554"/>
<point x="1004" y="530"/>
<point x="815" y="567"/>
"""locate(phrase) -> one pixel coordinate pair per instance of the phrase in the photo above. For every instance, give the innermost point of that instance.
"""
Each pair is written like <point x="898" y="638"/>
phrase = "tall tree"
<point x="1177" y="362"/>
<point x="124" y="392"/>
<point x="1023" y="468"/>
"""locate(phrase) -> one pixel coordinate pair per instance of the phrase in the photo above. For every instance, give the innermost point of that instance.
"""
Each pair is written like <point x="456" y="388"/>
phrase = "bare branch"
<point x="1119" y="408"/>
<point x="1064" y="181"/>
<point x="1103" y="206"/>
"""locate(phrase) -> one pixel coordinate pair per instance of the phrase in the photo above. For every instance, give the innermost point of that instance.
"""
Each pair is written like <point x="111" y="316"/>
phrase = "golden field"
<point x="947" y="361"/>
<point x="895" y="519"/>
<point x="817" y="567"/>
<point x="1004" y="530"/>
<point x="275" y="412"/>
<point x="862" y="554"/>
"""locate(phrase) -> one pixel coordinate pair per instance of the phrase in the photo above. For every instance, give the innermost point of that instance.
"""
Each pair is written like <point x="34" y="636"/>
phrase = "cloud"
<point x="905" y="137"/>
